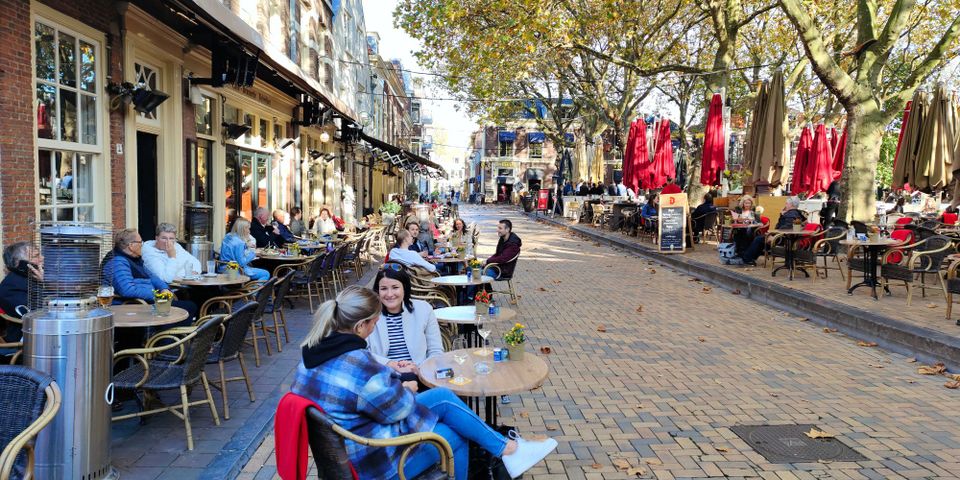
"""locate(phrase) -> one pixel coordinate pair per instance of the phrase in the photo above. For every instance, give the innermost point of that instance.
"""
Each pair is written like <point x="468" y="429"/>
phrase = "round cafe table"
<point x="871" y="255"/>
<point x="461" y="280"/>
<point x="220" y="280"/>
<point x="140" y="315"/>
<point x="276" y="257"/>
<point x="467" y="315"/>
<point x="448" y="260"/>
<point x="791" y="237"/>
<point x="505" y="378"/>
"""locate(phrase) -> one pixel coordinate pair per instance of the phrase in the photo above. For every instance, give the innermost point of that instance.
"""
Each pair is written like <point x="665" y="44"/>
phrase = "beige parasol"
<point x="905" y="165"/>
<point x="750" y="155"/>
<point x="773" y="152"/>
<point x="938" y="142"/>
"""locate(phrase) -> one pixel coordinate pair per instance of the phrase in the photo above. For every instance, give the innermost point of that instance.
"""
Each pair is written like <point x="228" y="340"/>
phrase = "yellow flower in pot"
<point x="162" y="301"/>
<point x="477" y="266"/>
<point x="515" y="340"/>
<point x="232" y="270"/>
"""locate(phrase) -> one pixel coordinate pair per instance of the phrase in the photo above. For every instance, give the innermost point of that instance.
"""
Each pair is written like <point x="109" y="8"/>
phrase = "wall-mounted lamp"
<point x="143" y="99"/>
<point x="235" y="130"/>
<point x="324" y="137"/>
<point x="314" y="154"/>
<point x="286" y="142"/>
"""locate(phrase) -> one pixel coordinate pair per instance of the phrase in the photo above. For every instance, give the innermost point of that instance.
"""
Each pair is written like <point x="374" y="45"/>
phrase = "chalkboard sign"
<point x="672" y="224"/>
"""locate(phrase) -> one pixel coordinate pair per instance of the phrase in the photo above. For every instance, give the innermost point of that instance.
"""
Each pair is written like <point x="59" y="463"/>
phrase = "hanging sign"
<point x="673" y="224"/>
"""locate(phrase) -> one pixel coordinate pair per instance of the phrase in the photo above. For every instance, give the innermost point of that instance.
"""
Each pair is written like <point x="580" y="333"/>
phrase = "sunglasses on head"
<point x="396" y="267"/>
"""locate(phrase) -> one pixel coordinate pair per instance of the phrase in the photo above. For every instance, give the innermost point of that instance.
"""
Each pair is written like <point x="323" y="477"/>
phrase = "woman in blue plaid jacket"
<point x="368" y="398"/>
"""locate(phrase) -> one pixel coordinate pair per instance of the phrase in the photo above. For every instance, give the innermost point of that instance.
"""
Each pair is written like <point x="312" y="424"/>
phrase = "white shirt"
<point x="411" y="258"/>
<point x="166" y="268"/>
<point x="323" y="227"/>
<point x="621" y="190"/>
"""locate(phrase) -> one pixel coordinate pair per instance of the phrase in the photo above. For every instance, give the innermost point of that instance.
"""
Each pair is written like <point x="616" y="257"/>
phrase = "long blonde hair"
<point x="241" y="228"/>
<point x="743" y="199"/>
<point x="352" y="306"/>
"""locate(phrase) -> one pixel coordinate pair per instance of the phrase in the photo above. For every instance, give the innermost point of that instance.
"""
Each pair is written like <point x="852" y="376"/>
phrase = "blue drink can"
<point x="497" y="355"/>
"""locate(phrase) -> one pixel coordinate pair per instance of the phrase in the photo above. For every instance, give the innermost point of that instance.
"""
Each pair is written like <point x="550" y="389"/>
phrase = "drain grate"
<point x="789" y="444"/>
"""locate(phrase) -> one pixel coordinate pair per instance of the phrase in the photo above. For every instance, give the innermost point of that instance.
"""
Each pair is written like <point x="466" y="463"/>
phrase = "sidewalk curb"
<point x="897" y="336"/>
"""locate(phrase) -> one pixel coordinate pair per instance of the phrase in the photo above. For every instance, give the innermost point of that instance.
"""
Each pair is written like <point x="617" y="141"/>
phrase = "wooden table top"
<point x="137" y="315"/>
<point x="461" y="280"/>
<point x="283" y="258"/>
<point x="795" y="232"/>
<point x="448" y="260"/>
<point x="883" y="242"/>
<point x="505" y="378"/>
<point x="744" y="225"/>
<point x="467" y="315"/>
<point x="221" y="280"/>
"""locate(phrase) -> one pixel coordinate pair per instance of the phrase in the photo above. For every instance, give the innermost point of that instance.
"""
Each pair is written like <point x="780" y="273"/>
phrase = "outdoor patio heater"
<point x="197" y="221"/>
<point x="67" y="336"/>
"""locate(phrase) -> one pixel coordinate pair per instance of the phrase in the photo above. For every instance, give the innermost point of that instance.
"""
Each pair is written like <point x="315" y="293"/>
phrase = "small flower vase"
<point x="797" y="227"/>
<point x="481" y="308"/>
<point x="232" y="274"/>
<point x="516" y="352"/>
<point x="163" y="307"/>
<point x="873" y="236"/>
<point x="477" y="274"/>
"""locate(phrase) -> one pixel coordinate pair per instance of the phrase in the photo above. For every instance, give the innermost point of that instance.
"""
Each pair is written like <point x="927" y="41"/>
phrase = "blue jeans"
<point x="457" y="424"/>
<point x="256" y="273"/>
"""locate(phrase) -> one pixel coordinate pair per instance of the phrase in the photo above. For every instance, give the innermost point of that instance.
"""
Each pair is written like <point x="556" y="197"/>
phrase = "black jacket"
<point x="787" y="218"/>
<point x="13" y="292"/>
<point x="506" y="250"/>
<point x="262" y="234"/>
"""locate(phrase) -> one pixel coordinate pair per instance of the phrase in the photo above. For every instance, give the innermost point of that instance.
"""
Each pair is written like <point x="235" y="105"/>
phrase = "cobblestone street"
<point x="651" y="369"/>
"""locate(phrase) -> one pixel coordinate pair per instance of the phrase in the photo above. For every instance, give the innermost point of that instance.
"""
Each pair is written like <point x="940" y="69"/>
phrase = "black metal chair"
<point x="228" y="349"/>
<point x="10" y="352"/>
<point x="305" y="280"/>
<point x="859" y="226"/>
<point x="921" y="258"/>
<point x="275" y="308"/>
<point x="708" y="222"/>
<point x="30" y="400"/>
<point x="326" y="440"/>
<point x="149" y="373"/>
<point x="261" y="295"/>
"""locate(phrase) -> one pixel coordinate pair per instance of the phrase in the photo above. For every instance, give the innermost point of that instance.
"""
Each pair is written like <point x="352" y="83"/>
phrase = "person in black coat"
<point x="261" y="230"/>
<point x="21" y="261"/>
<point x="700" y="212"/>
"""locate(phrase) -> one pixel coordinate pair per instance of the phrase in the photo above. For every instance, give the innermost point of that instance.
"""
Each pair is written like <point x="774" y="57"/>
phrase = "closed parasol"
<point x="938" y="143"/>
<point x="906" y="165"/>
<point x="662" y="166"/>
<point x="839" y="155"/>
<point x="804" y="147"/>
<point x="714" y="153"/>
<point x="820" y="164"/>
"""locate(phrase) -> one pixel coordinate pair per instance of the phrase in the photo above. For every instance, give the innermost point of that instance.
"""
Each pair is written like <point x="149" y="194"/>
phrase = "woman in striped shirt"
<point x="408" y="332"/>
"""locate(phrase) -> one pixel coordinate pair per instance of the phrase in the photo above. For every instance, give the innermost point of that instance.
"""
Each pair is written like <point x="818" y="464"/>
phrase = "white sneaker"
<point x="528" y="454"/>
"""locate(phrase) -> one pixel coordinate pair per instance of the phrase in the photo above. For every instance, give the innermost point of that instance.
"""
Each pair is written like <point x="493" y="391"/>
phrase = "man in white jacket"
<point x="165" y="258"/>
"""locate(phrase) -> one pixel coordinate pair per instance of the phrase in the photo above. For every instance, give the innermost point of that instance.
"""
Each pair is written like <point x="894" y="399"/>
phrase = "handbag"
<point x="484" y="466"/>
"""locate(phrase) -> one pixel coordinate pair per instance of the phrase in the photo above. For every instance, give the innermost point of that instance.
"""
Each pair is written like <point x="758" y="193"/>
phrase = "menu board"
<point x="542" y="198"/>
<point x="672" y="224"/>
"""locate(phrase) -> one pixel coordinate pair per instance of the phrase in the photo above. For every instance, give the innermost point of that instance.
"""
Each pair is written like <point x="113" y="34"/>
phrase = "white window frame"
<point x="155" y="123"/>
<point x="536" y="154"/>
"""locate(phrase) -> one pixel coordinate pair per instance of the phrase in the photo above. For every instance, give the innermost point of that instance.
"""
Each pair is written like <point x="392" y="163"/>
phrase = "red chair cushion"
<point x="903" y="235"/>
<point x="808" y="242"/>
<point x="904" y="221"/>
<point x="950" y="218"/>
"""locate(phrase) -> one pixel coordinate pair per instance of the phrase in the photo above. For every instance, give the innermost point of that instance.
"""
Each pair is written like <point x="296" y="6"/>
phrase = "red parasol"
<point x="834" y="139"/>
<point x="804" y="147"/>
<point x="641" y="159"/>
<point x="628" y="163"/>
<point x="820" y="164"/>
<point x="839" y="155"/>
<point x="662" y="166"/>
<point x="713" y="161"/>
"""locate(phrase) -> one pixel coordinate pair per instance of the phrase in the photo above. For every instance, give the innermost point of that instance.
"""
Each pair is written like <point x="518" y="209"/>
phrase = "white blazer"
<point x="420" y="330"/>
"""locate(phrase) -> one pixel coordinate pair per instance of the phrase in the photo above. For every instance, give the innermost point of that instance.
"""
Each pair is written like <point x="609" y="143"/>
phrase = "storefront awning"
<point x="536" y="137"/>
<point x="507" y="137"/>
<point x="409" y="160"/>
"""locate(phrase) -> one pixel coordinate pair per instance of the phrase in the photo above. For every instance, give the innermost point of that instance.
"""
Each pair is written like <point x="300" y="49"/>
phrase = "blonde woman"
<point x="238" y="246"/>
<point x="744" y="213"/>
<point x="368" y="398"/>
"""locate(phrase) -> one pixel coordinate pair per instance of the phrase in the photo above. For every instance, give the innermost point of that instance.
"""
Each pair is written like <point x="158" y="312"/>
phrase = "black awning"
<point x="395" y="150"/>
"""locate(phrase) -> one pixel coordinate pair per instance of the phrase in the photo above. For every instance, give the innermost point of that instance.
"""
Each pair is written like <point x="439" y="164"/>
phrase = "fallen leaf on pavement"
<point x="640" y="309"/>
<point x="866" y="344"/>
<point x="524" y="414"/>
<point x="596" y="466"/>
<point x="601" y="328"/>
<point x="707" y="289"/>
<point x="621" y="463"/>
<point x="804" y="319"/>
<point x="952" y="385"/>
<point x="636" y="471"/>
<point x="931" y="305"/>
<point x="774" y="395"/>
<point x="736" y="291"/>
<point x="934" y="370"/>
<point x="653" y="270"/>
<point x="638" y="406"/>
<point x="829" y="330"/>
<point x="876" y="366"/>
<point x="551" y="428"/>
<point x="546" y="350"/>
<point x="653" y="461"/>
<point x="911" y="360"/>
<point x="543" y="289"/>
<point x="721" y="449"/>
<point x="701" y="339"/>
<point x="814" y="433"/>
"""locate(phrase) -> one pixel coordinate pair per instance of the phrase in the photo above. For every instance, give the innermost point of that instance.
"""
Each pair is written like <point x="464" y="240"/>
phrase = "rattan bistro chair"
<point x="919" y="259"/>
<point x="499" y="277"/>
<point x="326" y="440"/>
<point x="10" y="351"/>
<point x="147" y="372"/>
<point x="30" y="400"/>
<point x="227" y="349"/>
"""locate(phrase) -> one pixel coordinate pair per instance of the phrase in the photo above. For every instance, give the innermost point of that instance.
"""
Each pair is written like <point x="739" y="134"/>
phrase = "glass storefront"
<point x="248" y="182"/>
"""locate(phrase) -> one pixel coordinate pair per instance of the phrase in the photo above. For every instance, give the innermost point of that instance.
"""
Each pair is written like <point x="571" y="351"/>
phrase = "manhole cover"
<point x="790" y="444"/>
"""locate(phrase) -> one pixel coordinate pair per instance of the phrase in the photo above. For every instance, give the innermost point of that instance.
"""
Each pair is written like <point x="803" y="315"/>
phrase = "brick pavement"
<point x="663" y="384"/>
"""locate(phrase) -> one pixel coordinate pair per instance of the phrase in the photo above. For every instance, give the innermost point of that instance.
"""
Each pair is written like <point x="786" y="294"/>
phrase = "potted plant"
<point x="461" y="251"/>
<point x="515" y="338"/>
<point x="482" y="302"/>
<point x="162" y="301"/>
<point x="797" y="225"/>
<point x="874" y="234"/>
<point x="477" y="266"/>
<point x="233" y="270"/>
<point x="389" y="212"/>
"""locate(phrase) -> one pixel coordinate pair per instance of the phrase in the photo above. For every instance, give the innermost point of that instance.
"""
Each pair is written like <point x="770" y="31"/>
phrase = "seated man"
<point x="790" y="212"/>
<point x="166" y="258"/>
<point x="508" y="247"/>
<point x="21" y="261"/>
<point x="670" y="187"/>
<point x="418" y="245"/>
<point x="130" y="277"/>
<point x="261" y="230"/>
<point x="700" y="213"/>
<point x="284" y="235"/>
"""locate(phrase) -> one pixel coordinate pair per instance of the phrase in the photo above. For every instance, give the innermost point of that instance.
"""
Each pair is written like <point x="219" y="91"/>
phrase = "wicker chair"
<point x="829" y="247"/>
<point x="227" y="349"/>
<point x="352" y="256"/>
<point x="511" y="290"/>
<point x="30" y="400"/>
<point x="326" y="440"/>
<point x="150" y="373"/>
<point x="275" y="308"/>
<point x="305" y="279"/>
<point x="952" y="286"/>
<point x="919" y="259"/>
<point x="10" y="351"/>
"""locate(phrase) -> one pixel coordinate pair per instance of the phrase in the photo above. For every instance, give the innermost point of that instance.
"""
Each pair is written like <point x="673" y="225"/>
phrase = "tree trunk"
<point x="865" y="124"/>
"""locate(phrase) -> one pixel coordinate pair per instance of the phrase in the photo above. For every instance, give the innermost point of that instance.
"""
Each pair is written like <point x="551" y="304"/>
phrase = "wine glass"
<point x="459" y="349"/>
<point x="484" y="332"/>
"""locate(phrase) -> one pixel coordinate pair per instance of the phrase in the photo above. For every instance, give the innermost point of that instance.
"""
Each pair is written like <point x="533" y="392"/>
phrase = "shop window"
<point x="66" y="85"/>
<point x="536" y="150"/>
<point x="249" y="120"/>
<point x="264" y="133"/>
<point x="198" y="178"/>
<point x="204" y="116"/>
<point x="294" y="45"/>
<point x="506" y="149"/>
<point x="65" y="185"/>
